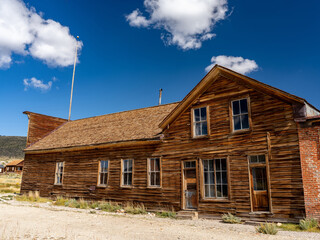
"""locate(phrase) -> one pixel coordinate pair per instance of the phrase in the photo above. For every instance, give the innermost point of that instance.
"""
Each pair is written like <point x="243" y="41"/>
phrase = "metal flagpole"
<point x="74" y="70"/>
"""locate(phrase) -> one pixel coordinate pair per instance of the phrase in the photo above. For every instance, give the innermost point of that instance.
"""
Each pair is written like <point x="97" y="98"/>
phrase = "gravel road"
<point x="44" y="221"/>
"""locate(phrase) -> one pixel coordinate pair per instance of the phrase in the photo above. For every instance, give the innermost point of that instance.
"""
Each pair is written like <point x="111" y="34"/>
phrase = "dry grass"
<point x="10" y="183"/>
<point x="32" y="197"/>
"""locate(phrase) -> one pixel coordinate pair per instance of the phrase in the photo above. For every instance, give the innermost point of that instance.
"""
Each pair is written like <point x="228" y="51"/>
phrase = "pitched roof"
<point x="140" y="124"/>
<point x="215" y="73"/>
<point x="14" y="163"/>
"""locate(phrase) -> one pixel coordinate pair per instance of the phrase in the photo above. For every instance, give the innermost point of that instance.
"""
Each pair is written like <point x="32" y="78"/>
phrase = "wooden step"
<point x="190" y="215"/>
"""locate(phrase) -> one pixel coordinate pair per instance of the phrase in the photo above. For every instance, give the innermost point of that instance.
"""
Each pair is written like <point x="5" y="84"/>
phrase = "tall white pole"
<point x="74" y="70"/>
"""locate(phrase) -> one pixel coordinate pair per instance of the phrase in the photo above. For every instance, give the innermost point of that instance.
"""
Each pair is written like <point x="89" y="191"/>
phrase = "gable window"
<point x="154" y="172"/>
<point x="103" y="173"/>
<point x="200" y="125"/>
<point x="240" y="114"/>
<point x="215" y="178"/>
<point x="127" y="172"/>
<point x="59" y="173"/>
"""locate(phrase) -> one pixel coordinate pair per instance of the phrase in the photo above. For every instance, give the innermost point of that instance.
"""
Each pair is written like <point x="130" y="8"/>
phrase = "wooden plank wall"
<point x="269" y="115"/>
<point x="41" y="125"/>
<point x="81" y="172"/>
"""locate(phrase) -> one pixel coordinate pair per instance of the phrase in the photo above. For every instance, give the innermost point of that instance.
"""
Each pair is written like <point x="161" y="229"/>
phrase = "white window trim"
<point x="149" y="173"/>
<point x="248" y="113"/>
<point x="194" y="122"/>
<point x="59" y="172"/>
<point x="99" y="172"/>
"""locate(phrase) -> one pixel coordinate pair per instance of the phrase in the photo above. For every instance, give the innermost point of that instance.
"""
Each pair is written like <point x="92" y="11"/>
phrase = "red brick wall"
<point x="309" y="139"/>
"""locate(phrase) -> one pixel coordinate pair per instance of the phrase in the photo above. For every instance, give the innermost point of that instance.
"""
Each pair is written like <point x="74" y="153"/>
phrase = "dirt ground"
<point x="19" y="220"/>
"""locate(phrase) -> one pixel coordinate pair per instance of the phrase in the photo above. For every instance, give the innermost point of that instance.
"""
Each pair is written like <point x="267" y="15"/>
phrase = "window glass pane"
<point x="259" y="178"/>
<point x="224" y="164"/>
<point x="196" y="115"/>
<point x="206" y="178"/>
<point x="218" y="165"/>
<point x="130" y="165"/>
<point x="158" y="178"/>
<point x="157" y="164"/>
<point x="193" y="164"/>
<point x="219" y="189"/>
<point x="204" y="128"/>
<point x="125" y="179"/>
<point x="125" y="167"/>
<point x="211" y="177"/>
<point x="218" y="177"/>
<point x="205" y="165"/>
<point x="245" y="121"/>
<point x="203" y="114"/>
<point x="129" y="178"/>
<point x="225" y="190"/>
<point x="211" y="168"/>
<point x="151" y="164"/>
<point x="197" y="130"/>
<point x="224" y="178"/>
<point x="212" y="191"/>
<point x="244" y="106"/>
<point x="236" y="123"/>
<point x="253" y="159"/>
<point x="235" y="107"/>
<point x="207" y="190"/>
<point x="262" y="158"/>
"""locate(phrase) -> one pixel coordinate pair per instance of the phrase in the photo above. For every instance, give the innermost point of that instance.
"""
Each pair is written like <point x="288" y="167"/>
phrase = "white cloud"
<point x="188" y="22"/>
<point x="36" y="84"/>
<point x="23" y="31"/>
<point x="237" y="64"/>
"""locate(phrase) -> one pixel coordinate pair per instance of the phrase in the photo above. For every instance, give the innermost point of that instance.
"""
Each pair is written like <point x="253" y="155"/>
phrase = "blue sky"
<point x="128" y="55"/>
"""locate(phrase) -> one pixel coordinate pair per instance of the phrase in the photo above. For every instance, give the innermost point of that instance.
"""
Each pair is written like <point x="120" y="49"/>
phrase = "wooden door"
<point x="259" y="188"/>
<point x="190" y="185"/>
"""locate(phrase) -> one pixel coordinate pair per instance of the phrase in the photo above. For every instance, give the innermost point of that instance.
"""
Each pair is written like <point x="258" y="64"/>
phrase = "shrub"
<point x="267" y="228"/>
<point x="109" y="206"/>
<point x="229" y="218"/>
<point x="166" y="214"/>
<point x="308" y="223"/>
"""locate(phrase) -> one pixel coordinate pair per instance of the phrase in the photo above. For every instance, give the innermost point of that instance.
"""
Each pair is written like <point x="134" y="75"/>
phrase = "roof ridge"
<point x="108" y="114"/>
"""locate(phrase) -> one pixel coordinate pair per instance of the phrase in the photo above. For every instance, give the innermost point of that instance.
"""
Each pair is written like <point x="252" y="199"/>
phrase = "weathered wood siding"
<point x="268" y="115"/>
<point x="81" y="172"/>
<point x="41" y="125"/>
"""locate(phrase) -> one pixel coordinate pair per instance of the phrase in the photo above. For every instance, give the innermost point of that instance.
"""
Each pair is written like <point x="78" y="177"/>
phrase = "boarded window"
<point x="154" y="172"/>
<point x="240" y="114"/>
<point x="215" y="178"/>
<point x="103" y="173"/>
<point x="200" y="126"/>
<point x="59" y="172"/>
<point x="127" y="172"/>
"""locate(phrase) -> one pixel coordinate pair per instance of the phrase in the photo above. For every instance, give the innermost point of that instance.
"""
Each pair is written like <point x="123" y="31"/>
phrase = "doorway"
<point x="190" y="186"/>
<point x="259" y="183"/>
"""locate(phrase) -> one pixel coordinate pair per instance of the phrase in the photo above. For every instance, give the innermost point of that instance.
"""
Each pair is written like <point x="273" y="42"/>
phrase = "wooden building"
<point x="231" y="145"/>
<point x="15" y="166"/>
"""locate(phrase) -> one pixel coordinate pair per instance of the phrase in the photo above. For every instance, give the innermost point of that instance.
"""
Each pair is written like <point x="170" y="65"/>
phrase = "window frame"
<point x="231" y="114"/>
<point x="56" y="172"/>
<point x="122" y="176"/>
<point x="193" y="122"/>
<point x="202" y="180"/>
<point x="99" y="172"/>
<point x="149" y="175"/>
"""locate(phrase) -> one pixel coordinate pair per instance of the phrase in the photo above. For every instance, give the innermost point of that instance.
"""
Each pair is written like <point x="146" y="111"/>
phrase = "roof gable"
<point x="215" y="73"/>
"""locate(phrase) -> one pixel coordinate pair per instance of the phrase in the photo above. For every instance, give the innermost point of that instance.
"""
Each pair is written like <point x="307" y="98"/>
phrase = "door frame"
<point x="266" y="165"/>
<point x="184" y="187"/>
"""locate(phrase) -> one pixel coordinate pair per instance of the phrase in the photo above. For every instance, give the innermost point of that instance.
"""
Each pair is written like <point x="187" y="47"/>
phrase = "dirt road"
<point x="43" y="221"/>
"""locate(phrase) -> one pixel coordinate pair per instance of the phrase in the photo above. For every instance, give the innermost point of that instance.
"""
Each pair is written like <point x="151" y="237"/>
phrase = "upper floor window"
<point x="200" y="125"/>
<point x="127" y="166"/>
<point x="103" y="173"/>
<point x="215" y="178"/>
<point x="154" y="170"/>
<point x="240" y="114"/>
<point x="59" y="172"/>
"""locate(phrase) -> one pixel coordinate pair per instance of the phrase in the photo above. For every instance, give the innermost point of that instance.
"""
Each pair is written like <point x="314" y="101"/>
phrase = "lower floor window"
<point x="215" y="178"/>
<point x="127" y="172"/>
<point x="103" y="172"/>
<point x="59" y="172"/>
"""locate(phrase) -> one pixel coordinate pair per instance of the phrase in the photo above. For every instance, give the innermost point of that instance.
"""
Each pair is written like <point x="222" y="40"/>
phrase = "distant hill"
<point x="11" y="147"/>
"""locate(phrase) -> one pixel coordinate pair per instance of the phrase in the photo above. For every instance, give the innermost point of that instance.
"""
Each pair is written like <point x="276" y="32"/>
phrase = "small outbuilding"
<point x="16" y="166"/>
